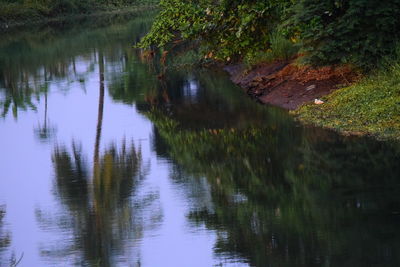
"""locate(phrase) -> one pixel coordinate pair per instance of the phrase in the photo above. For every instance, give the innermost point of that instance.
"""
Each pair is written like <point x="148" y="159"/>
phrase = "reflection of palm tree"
<point x="100" y="108"/>
<point x="5" y="238"/>
<point x="109" y="179"/>
<point x="102" y="215"/>
<point x="45" y="132"/>
<point x="72" y="177"/>
<point x="112" y="186"/>
<point x="17" y="94"/>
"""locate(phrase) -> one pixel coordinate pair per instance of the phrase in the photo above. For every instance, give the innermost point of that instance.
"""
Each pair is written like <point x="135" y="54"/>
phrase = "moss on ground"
<point x="371" y="106"/>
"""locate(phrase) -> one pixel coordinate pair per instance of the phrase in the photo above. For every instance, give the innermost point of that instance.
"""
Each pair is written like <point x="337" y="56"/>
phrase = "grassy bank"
<point x="371" y="106"/>
<point x="27" y="12"/>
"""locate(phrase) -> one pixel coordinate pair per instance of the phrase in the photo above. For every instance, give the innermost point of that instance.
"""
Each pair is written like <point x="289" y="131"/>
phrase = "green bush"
<point x="343" y="31"/>
<point x="359" y="32"/>
<point x="227" y="29"/>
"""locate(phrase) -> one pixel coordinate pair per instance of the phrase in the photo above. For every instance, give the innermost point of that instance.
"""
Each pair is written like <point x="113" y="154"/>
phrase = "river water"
<point x="104" y="164"/>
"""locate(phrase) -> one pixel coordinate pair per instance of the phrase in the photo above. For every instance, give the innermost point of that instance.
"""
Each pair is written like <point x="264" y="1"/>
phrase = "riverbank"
<point x="345" y="102"/>
<point x="368" y="107"/>
<point x="15" y="17"/>
<point x="262" y="31"/>
<point x="288" y="85"/>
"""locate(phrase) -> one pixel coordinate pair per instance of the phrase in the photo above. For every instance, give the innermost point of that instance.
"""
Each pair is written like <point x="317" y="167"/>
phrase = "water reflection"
<point x="300" y="197"/>
<point x="60" y="54"/>
<point x="130" y="162"/>
<point x="275" y="192"/>
<point x="5" y="238"/>
<point x="45" y="131"/>
<point x="102" y="216"/>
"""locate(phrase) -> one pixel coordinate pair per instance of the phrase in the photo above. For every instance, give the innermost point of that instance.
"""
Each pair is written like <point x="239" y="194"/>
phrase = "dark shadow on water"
<point x="289" y="195"/>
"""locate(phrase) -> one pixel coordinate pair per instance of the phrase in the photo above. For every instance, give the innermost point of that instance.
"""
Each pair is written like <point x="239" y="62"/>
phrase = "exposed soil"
<point x="286" y="85"/>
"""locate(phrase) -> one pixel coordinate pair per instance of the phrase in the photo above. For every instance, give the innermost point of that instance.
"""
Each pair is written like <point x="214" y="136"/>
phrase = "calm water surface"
<point x="103" y="164"/>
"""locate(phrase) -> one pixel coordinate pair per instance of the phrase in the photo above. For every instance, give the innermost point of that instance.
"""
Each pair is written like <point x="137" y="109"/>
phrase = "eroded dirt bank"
<point x="288" y="86"/>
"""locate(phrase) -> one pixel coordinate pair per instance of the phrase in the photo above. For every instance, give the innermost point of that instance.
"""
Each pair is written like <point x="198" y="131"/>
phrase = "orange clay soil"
<point x="287" y="85"/>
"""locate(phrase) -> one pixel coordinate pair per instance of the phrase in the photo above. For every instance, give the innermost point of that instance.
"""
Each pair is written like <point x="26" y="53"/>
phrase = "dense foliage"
<point x="23" y="10"/>
<point x="340" y="31"/>
<point x="227" y="29"/>
<point x="356" y="31"/>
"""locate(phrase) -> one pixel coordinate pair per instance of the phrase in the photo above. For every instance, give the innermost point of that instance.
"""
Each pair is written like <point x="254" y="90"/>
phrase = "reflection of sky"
<point x="191" y="89"/>
<point x="27" y="179"/>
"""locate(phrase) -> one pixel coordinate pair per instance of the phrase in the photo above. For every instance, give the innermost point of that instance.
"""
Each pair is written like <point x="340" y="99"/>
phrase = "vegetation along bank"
<point x="27" y="12"/>
<point x="335" y="63"/>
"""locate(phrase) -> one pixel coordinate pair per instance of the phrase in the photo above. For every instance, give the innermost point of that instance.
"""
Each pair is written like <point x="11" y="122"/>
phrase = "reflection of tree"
<point x="102" y="212"/>
<point x="198" y="99"/>
<point x="103" y="215"/>
<point x="293" y="197"/>
<point x="5" y="238"/>
<point x="100" y="109"/>
<point x="139" y="79"/>
<point x="72" y="177"/>
<point x="45" y="131"/>
<point x="18" y="93"/>
<point x="31" y="61"/>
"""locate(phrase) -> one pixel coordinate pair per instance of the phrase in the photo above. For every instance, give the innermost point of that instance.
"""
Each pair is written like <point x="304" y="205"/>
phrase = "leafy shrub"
<point x="360" y="32"/>
<point x="228" y="29"/>
<point x="176" y="18"/>
<point x="342" y="31"/>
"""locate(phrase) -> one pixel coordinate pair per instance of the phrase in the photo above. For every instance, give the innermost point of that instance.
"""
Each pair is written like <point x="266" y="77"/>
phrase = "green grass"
<point x="371" y="106"/>
<point x="280" y="49"/>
